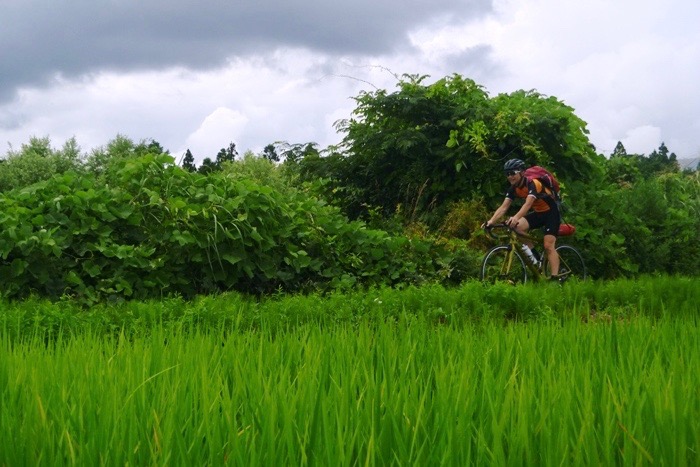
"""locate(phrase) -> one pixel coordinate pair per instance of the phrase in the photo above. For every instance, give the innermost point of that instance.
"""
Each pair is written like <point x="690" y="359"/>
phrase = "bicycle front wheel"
<point x="502" y="264"/>
<point x="570" y="263"/>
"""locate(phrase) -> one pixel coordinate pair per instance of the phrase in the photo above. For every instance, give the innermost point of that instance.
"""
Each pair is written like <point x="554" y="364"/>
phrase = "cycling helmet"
<point x="514" y="164"/>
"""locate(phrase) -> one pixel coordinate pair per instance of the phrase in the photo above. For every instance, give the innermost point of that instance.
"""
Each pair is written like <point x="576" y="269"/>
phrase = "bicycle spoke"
<point x="570" y="263"/>
<point x="500" y="264"/>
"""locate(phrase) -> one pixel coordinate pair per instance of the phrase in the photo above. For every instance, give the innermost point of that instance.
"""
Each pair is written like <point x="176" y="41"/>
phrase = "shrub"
<point x="149" y="228"/>
<point x="36" y="161"/>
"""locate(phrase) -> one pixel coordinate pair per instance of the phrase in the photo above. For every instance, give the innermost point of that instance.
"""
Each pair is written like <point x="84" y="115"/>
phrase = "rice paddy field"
<point x="593" y="373"/>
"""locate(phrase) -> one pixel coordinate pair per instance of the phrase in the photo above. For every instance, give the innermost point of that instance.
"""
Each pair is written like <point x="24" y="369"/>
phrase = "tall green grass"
<point x="413" y="377"/>
<point x="403" y="393"/>
<point x="469" y="303"/>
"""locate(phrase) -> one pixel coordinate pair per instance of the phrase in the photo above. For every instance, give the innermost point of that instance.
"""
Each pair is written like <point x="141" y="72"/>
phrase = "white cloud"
<point x="629" y="68"/>
<point x="622" y="65"/>
<point x="289" y="95"/>
<point x="639" y="140"/>
<point x="221" y="124"/>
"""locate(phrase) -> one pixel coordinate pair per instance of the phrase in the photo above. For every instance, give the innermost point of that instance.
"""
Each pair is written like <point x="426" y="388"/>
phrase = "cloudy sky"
<point x="200" y="74"/>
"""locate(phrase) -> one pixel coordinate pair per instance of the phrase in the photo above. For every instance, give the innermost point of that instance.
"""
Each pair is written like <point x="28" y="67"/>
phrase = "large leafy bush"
<point x="37" y="160"/>
<point x="420" y="149"/>
<point x="149" y="228"/>
<point x="649" y="226"/>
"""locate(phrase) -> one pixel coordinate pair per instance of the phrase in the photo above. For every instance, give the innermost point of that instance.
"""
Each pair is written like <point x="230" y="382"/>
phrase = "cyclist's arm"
<point x="513" y="221"/>
<point x="500" y="211"/>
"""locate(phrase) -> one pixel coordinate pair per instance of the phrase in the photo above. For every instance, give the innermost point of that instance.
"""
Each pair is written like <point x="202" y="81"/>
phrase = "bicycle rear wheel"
<point x="500" y="265"/>
<point x="570" y="263"/>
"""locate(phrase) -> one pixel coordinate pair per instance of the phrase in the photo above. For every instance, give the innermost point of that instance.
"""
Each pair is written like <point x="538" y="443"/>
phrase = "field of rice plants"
<point x="588" y="374"/>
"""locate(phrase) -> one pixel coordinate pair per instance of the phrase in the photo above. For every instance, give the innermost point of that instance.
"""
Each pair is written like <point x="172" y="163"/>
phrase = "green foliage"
<point x="224" y="157"/>
<point x="227" y="154"/>
<point x="623" y="167"/>
<point x="188" y="162"/>
<point x="151" y="228"/>
<point x="37" y="161"/>
<point x="427" y="146"/>
<point x="594" y="214"/>
<point x="642" y="227"/>
<point x="397" y="153"/>
<point x="258" y="169"/>
<point x="622" y="171"/>
<point x="292" y="153"/>
<point x="421" y="168"/>
<point x="270" y="153"/>
<point x="596" y="374"/>
<point x="471" y="302"/>
<point x="115" y="151"/>
<point x="541" y="130"/>
<point x="208" y="166"/>
<point x="463" y="219"/>
<point x="658" y="162"/>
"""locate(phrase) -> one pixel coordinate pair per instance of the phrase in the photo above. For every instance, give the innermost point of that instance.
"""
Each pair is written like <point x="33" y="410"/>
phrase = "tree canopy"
<point x="422" y="165"/>
<point x="426" y="145"/>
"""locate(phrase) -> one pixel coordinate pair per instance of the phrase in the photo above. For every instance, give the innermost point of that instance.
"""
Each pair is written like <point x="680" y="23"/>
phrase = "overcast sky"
<point x="200" y="74"/>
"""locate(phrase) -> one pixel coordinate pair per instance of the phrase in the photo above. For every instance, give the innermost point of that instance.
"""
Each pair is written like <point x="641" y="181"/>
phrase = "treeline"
<point x="398" y="202"/>
<point x="431" y="158"/>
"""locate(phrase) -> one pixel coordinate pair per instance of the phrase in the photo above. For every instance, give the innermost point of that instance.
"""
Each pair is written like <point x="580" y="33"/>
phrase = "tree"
<point x="227" y="154"/>
<point x="154" y="147"/>
<point x="208" y="166"/>
<point x="622" y="170"/>
<point x="619" y="150"/>
<point x="426" y="146"/>
<point x="121" y="147"/>
<point x="270" y="153"/>
<point x="188" y="162"/>
<point x="37" y="147"/>
<point x="659" y="161"/>
<point x="294" y="153"/>
<point x="36" y="161"/>
<point x="396" y="145"/>
<point x="540" y="130"/>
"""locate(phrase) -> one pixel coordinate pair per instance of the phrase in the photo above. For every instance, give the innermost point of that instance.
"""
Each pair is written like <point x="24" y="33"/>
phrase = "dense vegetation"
<point x="591" y="374"/>
<point x="148" y="228"/>
<point x="398" y="203"/>
<point x="306" y="306"/>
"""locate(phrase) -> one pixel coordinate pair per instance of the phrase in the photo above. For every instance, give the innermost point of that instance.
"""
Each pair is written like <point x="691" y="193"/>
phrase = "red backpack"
<point x="545" y="177"/>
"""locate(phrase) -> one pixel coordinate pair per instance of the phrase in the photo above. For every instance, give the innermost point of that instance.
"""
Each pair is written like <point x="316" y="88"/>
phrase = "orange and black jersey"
<point x="543" y="202"/>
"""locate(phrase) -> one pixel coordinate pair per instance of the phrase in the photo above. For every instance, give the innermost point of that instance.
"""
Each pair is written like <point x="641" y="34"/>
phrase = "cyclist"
<point x="545" y="212"/>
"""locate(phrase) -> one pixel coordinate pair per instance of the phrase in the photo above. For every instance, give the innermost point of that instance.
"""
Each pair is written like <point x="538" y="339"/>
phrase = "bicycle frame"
<point x="515" y="241"/>
<point x="506" y="262"/>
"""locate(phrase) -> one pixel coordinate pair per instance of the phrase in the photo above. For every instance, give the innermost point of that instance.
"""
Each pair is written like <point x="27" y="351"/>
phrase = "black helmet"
<point x="515" y="165"/>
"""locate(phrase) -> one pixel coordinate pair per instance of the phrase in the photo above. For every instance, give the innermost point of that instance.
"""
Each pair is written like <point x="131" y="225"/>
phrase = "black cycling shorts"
<point x="548" y="220"/>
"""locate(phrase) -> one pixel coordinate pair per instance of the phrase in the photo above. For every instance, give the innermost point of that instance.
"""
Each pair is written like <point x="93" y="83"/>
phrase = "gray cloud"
<point x="199" y="74"/>
<point x="474" y="62"/>
<point x="40" y="39"/>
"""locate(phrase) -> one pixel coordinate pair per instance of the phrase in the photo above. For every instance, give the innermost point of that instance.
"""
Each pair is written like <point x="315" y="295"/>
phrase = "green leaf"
<point x="91" y="268"/>
<point x="617" y="239"/>
<point x="18" y="266"/>
<point x="231" y="258"/>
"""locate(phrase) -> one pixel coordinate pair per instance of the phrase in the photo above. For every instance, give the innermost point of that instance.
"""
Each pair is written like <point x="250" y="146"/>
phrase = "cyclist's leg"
<point x="551" y="221"/>
<point x="523" y="227"/>
<point x="550" y="247"/>
<point x="532" y="220"/>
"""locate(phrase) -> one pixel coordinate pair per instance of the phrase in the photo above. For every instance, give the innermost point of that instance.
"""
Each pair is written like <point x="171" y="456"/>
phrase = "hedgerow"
<point x="147" y="228"/>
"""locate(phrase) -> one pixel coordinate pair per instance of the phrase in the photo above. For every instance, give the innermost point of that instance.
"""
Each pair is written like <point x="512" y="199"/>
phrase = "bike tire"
<point x="494" y="267"/>
<point x="570" y="263"/>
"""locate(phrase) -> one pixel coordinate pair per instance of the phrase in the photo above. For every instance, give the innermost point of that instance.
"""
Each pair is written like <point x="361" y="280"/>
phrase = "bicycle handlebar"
<point x="489" y="230"/>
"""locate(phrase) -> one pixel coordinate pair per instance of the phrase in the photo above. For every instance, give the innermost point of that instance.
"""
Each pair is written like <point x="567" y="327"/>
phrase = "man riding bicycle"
<point x="545" y="212"/>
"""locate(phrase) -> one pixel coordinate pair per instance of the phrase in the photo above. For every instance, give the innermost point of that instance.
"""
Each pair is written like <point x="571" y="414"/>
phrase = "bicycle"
<point x="508" y="263"/>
